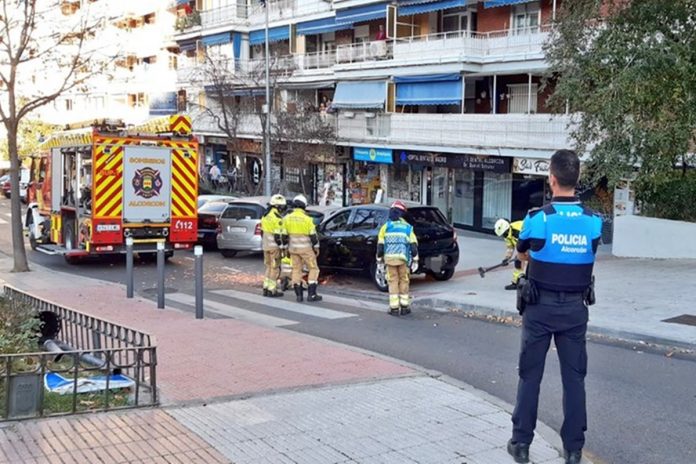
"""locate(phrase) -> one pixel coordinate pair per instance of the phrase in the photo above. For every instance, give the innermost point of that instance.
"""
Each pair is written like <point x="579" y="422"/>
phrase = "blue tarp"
<point x="426" y="6"/>
<point x="321" y="26"/>
<point x="361" y="14"/>
<point x="360" y="94"/>
<point x="435" y="89"/>
<point x="56" y="383"/>
<point x="217" y="39"/>
<point x="275" y="34"/>
<point x="494" y="3"/>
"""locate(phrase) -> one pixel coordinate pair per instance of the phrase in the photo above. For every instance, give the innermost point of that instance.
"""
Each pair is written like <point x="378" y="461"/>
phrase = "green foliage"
<point x="18" y="328"/>
<point x="671" y="196"/>
<point x="629" y="70"/>
<point x="29" y="136"/>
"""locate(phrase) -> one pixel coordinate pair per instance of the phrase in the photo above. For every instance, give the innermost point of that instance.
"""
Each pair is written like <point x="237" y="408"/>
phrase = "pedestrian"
<point x="303" y="245"/>
<point x="274" y="242"/>
<point x="397" y="249"/>
<point x="232" y="178"/>
<point x="381" y="34"/>
<point x="214" y="174"/>
<point x="511" y="233"/>
<point x="560" y="241"/>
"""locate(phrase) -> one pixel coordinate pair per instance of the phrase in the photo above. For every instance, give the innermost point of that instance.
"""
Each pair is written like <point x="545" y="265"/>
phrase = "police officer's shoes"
<point x="312" y="293"/>
<point x="518" y="451"/>
<point x="572" y="457"/>
<point x="299" y="293"/>
<point x="512" y="286"/>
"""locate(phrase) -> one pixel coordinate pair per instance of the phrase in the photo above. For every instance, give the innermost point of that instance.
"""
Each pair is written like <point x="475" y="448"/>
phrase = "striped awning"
<point x="414" y="7"/>
<point x="361" y="14"/>
<point x="275" y="34"/>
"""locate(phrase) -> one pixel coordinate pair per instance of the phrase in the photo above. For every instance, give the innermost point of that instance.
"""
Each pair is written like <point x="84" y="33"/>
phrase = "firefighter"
<point x="510" y="232"/>
<point x="274" y="242"/>
<point x="397" y="248"/>
<point x="303" y="245"/>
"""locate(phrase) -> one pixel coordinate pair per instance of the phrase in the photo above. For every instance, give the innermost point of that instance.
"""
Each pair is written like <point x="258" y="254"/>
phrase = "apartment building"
<point x="139" y="81"/>
<point x="435" y="101"/>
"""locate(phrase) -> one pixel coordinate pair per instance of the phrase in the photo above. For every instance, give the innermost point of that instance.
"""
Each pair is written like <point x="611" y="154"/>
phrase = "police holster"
<point x="589" y="295"/>
<point x="527" y="293"/>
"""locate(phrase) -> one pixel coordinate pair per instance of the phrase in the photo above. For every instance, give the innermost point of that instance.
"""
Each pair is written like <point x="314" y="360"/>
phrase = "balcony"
<point x="488" y="131"/>
<point x="229" y="14"/>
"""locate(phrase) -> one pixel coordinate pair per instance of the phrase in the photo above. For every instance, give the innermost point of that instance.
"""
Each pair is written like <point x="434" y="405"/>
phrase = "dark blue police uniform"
<point x="562" y="240"/>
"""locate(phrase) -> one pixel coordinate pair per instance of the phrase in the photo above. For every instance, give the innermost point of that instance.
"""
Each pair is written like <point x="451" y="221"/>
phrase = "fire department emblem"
<point x="147" y="182"/>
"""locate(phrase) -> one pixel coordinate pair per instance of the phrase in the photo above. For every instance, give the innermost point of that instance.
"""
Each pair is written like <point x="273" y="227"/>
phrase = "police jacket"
<point x="302" y="234"/>
<point x="273" y="230"/>
<point x="562" y="240"/>
<point x="397" y="242"/>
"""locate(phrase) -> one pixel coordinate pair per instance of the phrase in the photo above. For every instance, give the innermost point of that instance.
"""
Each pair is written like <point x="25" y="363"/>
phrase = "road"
<point x="642" y="406"/>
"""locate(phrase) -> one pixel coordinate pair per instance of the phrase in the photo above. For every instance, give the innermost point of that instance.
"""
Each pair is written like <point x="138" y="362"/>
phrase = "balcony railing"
<point x="366" y="51"/>
<point x="536" y="131"/>
<point x="225" y="14"/>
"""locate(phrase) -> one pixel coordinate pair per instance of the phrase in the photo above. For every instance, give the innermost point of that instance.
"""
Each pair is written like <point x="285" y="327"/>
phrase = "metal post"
<point x="267" y="135"/>
<point x="129" y="267"/>
<point x="494" y="97"/>
<point x="529" y="94"/>
<point x="553" y="15"/>
<point x="160" y="275"/>
<point x="198" y="253"/>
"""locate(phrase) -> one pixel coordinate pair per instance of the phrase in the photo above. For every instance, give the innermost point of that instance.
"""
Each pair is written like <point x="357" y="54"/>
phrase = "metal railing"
<point x="91" y="346"/>
<point x="224" y="14"/>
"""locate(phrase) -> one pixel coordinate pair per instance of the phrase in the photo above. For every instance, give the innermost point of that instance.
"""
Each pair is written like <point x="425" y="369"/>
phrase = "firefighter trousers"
<point x="301" y="258"/>
<point x="399" y="279"/>
<point x="271" y="259"/>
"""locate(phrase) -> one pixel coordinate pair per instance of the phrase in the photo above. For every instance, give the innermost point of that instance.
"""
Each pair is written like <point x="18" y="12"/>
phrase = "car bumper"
<point x="207" y="237"/>
<point x="239" y="244"/>
<point x="439" y="260"/>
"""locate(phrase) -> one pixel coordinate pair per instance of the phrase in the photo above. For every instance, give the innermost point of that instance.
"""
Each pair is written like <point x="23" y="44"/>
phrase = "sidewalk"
<point x="236" y="392"/>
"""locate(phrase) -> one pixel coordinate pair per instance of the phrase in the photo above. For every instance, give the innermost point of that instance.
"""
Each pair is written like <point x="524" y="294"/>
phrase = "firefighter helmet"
<point x="278" y="200"/>
<point x="501" y="227"/>
<point x="300" y="201"/>
<point x="398" y="204"/>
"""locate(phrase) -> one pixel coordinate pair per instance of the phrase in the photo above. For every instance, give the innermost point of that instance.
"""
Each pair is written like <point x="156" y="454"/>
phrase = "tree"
<point x="43" y="55"/>
<point x="30" y="134"/>
<point x="628" y="69"/>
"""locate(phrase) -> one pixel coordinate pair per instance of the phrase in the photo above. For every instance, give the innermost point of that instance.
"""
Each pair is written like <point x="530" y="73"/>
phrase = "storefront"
<point x="368" y="174"/>
<point x="530" y="187"/>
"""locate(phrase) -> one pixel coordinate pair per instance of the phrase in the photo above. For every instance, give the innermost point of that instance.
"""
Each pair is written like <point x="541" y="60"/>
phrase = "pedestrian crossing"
<point x="232" y="311"/>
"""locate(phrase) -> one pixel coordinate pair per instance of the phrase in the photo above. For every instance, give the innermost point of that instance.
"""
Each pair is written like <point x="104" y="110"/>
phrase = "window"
<point x="361" y="34"/>
<point x="137" y="100"/>
<point x="425" y="216"/>
<point x="455" y="20"/>
<point x="68" y="104"/>
<point x="241" y="212"/>
<point x="497" y="198"/>
<point x="518" y="98"/>
<point x="173" y="62"/>
<point x="368" y="219"/>
<point x="98" y="103"/>
<point x="525" y="18"/>
<point x="338" y="223"/>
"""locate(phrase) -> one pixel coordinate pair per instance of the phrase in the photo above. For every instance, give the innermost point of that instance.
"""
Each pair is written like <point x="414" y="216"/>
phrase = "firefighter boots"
<point x="299" y="293"/>
<point x="312" y="293"/>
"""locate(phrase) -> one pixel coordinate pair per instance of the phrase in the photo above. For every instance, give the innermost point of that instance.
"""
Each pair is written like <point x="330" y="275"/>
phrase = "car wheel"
<point x="443" y="275"/>
<point x="379" y="278"/>
<point x="33" y="243"/>
<point x="229" y="253"/>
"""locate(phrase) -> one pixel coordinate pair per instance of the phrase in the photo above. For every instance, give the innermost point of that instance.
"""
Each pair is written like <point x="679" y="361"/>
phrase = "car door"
<point x="332" y="233"/>
<point x="362" y="239"/>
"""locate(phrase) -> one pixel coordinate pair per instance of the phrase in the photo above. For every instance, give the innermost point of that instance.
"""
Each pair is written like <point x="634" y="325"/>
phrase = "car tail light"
<point x="218" y="229"/>
<point x="455" y="235"/>
<point x="257" y="231"/>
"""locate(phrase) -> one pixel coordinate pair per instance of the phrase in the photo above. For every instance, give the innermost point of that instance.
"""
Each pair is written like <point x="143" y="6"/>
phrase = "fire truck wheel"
<point x="69" y="237"/>
<point x="32" y="240"/>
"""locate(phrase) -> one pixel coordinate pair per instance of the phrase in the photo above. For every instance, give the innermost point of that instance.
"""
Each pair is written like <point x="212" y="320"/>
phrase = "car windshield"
<point x="243" y="211"/>
<point x="425" y="216"/>
<point x="213" y="208"/>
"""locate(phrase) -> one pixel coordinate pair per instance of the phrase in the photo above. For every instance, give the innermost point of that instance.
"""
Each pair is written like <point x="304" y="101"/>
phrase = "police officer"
<point x="273" y="244"/>
<point x="560" y="241"/>
<point x="397" y="247"/>
<point x="303" y="245"/>
<point x="511" y="233"/>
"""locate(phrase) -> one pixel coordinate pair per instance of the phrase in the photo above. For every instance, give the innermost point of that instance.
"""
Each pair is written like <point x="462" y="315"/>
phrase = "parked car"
<point x="209" y="220"/>
<point x="240" y="224"/>
<point x="203" y="199"/>
<point x="348" y="239"/>
<point x="23" y="185"/>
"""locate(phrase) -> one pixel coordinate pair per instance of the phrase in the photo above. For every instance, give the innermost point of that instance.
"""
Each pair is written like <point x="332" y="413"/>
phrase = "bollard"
<point x="198" y="253"/>
<point x="160" y="275"/>
<point x="129" y="267"/>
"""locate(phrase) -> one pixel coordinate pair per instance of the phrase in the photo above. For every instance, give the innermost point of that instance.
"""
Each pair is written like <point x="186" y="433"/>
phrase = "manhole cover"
<point x="153" y="291"/>
<point x="684" y="319"/>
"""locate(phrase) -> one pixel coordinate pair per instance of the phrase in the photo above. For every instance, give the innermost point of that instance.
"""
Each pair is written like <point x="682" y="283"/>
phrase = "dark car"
<point x="208" y="221"/>
<point x="348" y="239"/>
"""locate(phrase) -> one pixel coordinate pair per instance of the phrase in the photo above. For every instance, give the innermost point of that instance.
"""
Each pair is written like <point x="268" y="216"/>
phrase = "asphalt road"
<point x="642" y="406"/>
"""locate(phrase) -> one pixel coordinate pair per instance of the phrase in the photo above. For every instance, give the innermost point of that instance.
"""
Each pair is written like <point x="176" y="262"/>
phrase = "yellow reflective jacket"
<point x="273" y="230"/>
<point x="302" y="234"/>
<point x="513" y="234"/>
<point x="397" y="241"/>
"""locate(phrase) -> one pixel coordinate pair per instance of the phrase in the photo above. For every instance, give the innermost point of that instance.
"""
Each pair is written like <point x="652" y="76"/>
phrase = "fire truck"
<point x="95" y="185"/>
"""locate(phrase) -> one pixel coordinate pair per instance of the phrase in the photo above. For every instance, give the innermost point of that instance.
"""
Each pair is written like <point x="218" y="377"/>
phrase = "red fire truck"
<point x="93" y="186"/>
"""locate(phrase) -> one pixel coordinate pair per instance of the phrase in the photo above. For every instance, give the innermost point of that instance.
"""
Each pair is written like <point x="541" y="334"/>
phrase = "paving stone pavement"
<point x="408" y="420"/>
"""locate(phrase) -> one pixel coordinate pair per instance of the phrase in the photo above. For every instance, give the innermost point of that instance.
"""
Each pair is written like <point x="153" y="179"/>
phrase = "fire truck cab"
<point x="94" y="186"/>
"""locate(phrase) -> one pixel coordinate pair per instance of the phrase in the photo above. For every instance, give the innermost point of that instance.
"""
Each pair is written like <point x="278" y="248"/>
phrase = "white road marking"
<point x="2" y="221"/>
<point x="232" y="311"/>
<point x="358" y="304"/>
<point x="285" y="305"/>
<point x="231" y="269"/>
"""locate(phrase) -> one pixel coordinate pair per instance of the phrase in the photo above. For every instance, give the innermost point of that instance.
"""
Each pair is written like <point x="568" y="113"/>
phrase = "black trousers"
<point x="562" y="316"/>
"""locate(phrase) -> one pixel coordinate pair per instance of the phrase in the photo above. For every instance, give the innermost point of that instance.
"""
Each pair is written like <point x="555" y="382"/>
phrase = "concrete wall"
<point x="641" y="237"/>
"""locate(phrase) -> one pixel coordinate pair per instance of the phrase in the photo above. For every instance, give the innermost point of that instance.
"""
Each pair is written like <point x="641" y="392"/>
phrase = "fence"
<point x="122" y="361"/>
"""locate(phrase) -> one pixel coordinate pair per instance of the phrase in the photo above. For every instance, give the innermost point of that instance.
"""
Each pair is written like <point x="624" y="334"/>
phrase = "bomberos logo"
<point x="147" y="183"/>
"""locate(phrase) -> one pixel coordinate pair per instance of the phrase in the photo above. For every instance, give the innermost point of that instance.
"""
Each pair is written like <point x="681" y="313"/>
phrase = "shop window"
<point x="525" y="18"/>
<point x="338" y="223"/>
<point x="463" y="205"/>
<point x="497" y="198"/>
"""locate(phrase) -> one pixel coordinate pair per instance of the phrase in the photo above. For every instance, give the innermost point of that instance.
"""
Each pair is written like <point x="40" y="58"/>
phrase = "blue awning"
<point x="361" y="14"/>
<point x="249" y="92"/>
<point x="435" y="89"/>
<point x="275" y="34"/>
<point x="414" y="7"/>
<point x="360" y="94"/>
<point x="187" y="45"/>
<point x="182" y="2"/>
<point x="217" y="39"/>
<point x="321" y="26"/>
<point x="494" y="3"/>
<point x="237" y="46"/>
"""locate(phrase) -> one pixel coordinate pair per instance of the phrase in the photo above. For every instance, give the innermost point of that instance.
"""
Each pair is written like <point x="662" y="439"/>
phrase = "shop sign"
<point x="533" y="166"/>
<point x="298" y="179"/>
<point x="462" y="161"/>
<point x="373" y="155"/>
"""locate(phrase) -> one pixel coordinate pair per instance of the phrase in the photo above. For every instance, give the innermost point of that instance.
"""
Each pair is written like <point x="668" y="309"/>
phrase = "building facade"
<point x="439" y="102"/>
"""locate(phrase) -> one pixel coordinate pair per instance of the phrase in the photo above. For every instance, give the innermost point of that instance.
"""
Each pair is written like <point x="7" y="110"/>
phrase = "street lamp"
<point x="267" y="111"/>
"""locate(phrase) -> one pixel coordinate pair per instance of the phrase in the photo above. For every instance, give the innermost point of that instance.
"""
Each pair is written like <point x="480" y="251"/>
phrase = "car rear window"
<point x="425" y="216"/>
<point x="243" y="212"/>
<point x="213" y="208"/>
